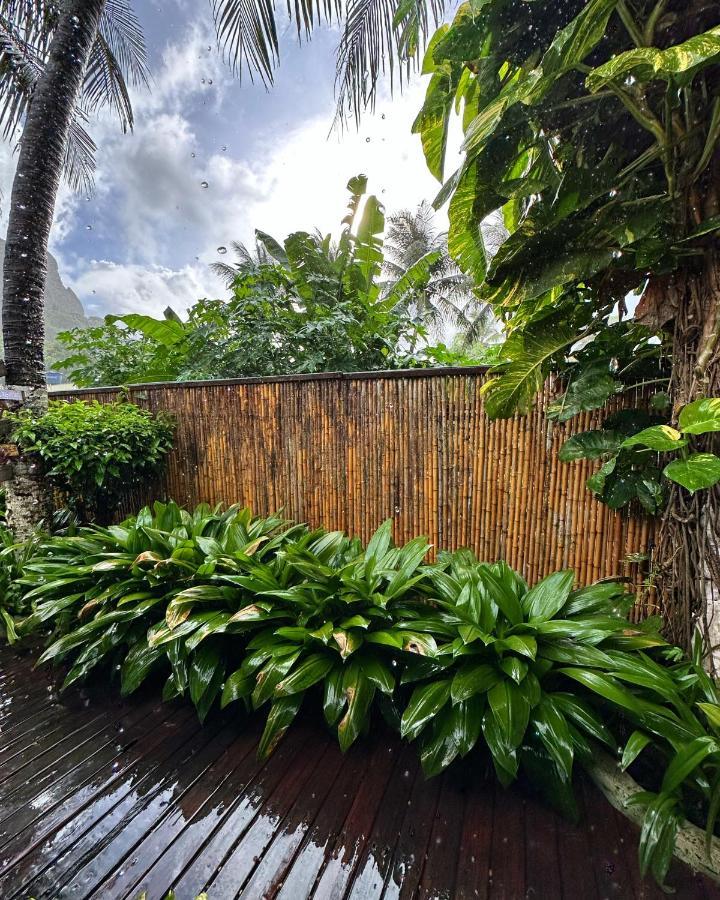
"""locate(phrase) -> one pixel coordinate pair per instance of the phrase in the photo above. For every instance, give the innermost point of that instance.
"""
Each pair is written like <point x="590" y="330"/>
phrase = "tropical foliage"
<point x="306" y="305"/>
<point x="14" y="556"/>
<point x="592" y="128"/>
<point x="575" y="128"/>
<point x="93" y="453"/>
<point x="630" y="468"/>
<point x="458" y="655"/>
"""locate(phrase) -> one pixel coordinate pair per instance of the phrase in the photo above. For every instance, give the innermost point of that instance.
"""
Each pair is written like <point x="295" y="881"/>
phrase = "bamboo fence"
<point x="348" y="451"/>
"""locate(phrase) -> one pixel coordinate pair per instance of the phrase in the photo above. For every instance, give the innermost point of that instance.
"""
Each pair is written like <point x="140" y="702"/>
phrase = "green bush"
<point x="93" y="452"/>
<point x="14" y="557"/>
<point x="456" y="654"/>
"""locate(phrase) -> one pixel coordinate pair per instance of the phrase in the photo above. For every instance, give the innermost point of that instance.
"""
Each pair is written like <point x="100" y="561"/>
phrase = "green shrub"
<point x="14" y="557"/>
<point x="457" y="654"/>
<point x="92" y="452"/>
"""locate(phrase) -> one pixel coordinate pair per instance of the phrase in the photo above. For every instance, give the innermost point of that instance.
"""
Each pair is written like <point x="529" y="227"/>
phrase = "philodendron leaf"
<point x="679" y="63"/>
<point x="591" y="390"/>
<point x="590" y="445"/>
<point x="698" y="471"/>
<point x="659" y="437"/>
<point x="701" y="416"/>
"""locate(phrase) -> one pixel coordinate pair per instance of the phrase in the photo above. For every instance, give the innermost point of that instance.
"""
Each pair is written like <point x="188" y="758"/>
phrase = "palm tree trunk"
<point x="32" y="206"/>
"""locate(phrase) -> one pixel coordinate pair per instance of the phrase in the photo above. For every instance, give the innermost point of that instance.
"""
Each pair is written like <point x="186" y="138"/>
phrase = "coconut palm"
<point x="62" y="60"/>
<point x="446" y="300"/>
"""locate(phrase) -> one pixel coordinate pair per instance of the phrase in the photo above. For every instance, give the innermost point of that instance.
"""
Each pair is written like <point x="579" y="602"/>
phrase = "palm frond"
<point x="118" y="59"/>
<point x="380" y="37"/>
<point x="226" y="272"/>
<point x="79" y="164"/>
<point x="20" y="67"/>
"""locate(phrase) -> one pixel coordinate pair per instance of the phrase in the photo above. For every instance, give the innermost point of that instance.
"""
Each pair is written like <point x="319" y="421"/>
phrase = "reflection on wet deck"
<point x="103" y="798"/>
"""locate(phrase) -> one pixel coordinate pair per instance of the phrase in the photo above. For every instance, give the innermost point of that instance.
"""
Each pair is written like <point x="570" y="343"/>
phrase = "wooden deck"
<point x="103" y="798"/>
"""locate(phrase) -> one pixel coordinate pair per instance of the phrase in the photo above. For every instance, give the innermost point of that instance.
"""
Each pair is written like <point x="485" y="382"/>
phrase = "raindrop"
<point x="94" y="292"/>
<point x="224" y="148"/>
<point x="192" y="155"/>
<point x="367" y="140"/>
<point x="209" y="80"/>
<point x="202" y="81"/>
<point x="204" y="185"/>
<point x="222" y="250"/>
<point x="88" y="228"/>
<point x="382" y="116"/>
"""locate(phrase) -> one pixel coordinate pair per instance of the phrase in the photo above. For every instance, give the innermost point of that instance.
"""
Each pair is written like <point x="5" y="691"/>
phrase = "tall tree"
<point x="593" y="125"/>
<point x="55" y="67"/>
<point x="447" y="297"/>
<point x="56" y="53"/>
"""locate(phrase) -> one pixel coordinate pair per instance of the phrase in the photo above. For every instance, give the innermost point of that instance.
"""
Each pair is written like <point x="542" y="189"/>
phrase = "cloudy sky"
<point x="269" y="159"/>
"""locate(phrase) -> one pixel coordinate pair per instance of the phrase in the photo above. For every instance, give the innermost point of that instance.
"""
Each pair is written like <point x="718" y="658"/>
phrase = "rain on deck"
<point x="106" y="798"/>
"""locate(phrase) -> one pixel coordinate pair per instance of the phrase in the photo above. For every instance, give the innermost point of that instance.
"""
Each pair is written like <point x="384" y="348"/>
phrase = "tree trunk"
<point x="32" y="206"/>
<point x="687" y="555"/>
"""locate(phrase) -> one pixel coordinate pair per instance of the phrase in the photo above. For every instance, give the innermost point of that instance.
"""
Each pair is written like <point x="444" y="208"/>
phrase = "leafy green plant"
<point x="92" y="452"/>
<point x="307" y="304"/>
<point x="591" y="134"/>
<point x="14" y="557"/>
<point x="630" y="452"/>
<point x="458" y="655"/>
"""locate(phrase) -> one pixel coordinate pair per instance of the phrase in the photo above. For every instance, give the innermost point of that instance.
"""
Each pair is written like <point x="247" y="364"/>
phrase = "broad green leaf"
<point x="591" y="390"/>
<point x="334" y="697"/>
<point x="590" y="445"/>
<point x="584" y="717"/>
<point x="359" y="692"/>
<point x="698" y="471"/>
<point x="552" y="727"/>
<point x="548" y="596"/>
<point x="426" y="702"/>
<point x="679" y="63"/>
<point x="606" y="687"/>
<point x="471" y="679"/>
<point x="279" y="719"/>
<point x="701" y="416"/>
<point x="306" y="674"/>
<point x="577" y="39"/>
<point x="659" y="437"/>
<point x="237" y="686"/>
<point x="207" y="673"/>
<point x="377" y="672"/>
<point x="513" y="389"/>
<point x="137" y="666"/>
<point x="271" y="674"/>
<point x="167" y="332"/>
<point x="712" y="711"/>
<point x="511" y="711"/>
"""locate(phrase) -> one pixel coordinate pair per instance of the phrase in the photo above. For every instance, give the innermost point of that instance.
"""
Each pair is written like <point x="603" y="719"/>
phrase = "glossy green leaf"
<point x="636" y="743"/>
<point x="279" y="719"/>
<point x="700" y="417"/>
<point x="426" y="702"/>
<point x="687" y="760"/>
<point x="658" y="437"/>
<point x="548" y="596"/>
<point x="698" y="471"/>
<point x="590" y="445"/>
<point x="306" y="674"/>
<point x="359" y="692"/>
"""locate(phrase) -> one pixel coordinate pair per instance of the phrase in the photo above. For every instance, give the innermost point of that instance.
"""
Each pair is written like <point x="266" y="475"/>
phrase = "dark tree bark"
<point x="687" y="555"/>
<point x="32" y="206"/>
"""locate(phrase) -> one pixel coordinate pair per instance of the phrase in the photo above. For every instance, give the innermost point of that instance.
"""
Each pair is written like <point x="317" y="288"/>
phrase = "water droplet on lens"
<point x="204" y="185"/>
<point x="222" y="250"/>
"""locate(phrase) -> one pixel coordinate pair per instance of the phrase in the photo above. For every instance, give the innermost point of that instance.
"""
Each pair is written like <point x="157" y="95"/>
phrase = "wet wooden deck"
<point x="103" y="798"/>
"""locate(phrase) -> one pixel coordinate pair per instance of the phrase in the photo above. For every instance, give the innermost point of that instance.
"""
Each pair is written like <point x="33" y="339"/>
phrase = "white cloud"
<point x="124" y="287"/>
<point x="158" y="224"/>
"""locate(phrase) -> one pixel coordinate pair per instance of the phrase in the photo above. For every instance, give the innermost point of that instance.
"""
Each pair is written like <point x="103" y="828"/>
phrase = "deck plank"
<point x="107" y="798"/>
